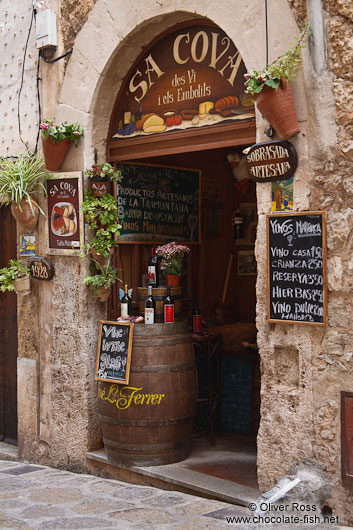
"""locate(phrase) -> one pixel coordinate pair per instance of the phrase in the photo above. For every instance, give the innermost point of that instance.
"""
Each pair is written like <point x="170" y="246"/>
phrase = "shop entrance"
<point x="221" y="276"/>
<point x="8" y="335"/>
<point x="182" y="105"/>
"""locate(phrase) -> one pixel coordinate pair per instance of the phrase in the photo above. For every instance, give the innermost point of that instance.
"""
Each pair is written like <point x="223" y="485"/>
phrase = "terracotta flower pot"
<point x="100" y="257"/>
<point x="99" y="187"/>
<point x="103" y="294"/>
<point x="173" y="280"/>
<point x="277" y="107"/>
<point x="22" y="285"/>
<point x="26" y="216"/>
<point x="55" y="153"/>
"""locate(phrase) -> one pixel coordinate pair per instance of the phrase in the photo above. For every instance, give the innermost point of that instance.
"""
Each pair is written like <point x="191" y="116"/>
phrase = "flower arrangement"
<point x="104" y="171"/>
<point x="9" y="275"/>
<point x="56" y="133"/>
<point x="172" y="255"/>
<point x="284" y="67"/>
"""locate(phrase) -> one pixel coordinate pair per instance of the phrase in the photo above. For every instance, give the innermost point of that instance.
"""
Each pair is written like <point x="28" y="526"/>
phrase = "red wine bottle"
<point x="196" y="320"/>
<point x="168" y="307"/>
<point x="153" y="270"/>
<point x="150" y="307"/>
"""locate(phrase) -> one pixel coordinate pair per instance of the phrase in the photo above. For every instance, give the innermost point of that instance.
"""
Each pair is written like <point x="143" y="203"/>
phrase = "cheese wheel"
<point x="205" y="107"/>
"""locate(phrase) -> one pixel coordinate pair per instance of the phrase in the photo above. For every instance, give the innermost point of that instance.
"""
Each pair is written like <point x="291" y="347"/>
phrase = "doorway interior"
<point x="221" y="276"/>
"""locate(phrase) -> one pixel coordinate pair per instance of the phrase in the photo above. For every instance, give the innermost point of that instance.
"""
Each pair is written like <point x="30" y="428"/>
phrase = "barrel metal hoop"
<point x="146" y="423"/>
<point x="163" y="367"/>
<point x="131" y="447"/>
<point x="164" y="341"/>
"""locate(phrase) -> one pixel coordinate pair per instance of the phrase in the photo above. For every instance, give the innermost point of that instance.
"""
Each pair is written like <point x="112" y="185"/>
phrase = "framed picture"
<point x="27" y="245"/>
<point x="249" y="214"/>
<point x="64" y="226"/>
<point x="282" y="195"/>
<point x="246" y="263"/>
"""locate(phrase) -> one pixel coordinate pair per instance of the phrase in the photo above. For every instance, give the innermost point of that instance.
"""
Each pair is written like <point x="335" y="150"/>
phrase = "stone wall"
<point x="303" y="368"/>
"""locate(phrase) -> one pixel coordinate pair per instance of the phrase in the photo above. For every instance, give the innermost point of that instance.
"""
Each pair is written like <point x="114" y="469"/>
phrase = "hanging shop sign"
<point x="271" y="161"/>
<point x="296" y="268"/>
<point x="41" y="268"/>
<point x="114" y="351"/>
<point x="189" y="78"/>
<point x="159" y="203"/>
<point x="64" y="227"/>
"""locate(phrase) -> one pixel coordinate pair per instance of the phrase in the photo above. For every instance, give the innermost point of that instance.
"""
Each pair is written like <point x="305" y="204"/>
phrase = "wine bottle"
<point x="196" y="320"/>
<point x="153" y="269"/>
<point x="238" y="225"/>
<point x="127" y="110"/>
<point x="168" y="307"/>
<point x="150" y="307"/>
<point x="125" y="303"/>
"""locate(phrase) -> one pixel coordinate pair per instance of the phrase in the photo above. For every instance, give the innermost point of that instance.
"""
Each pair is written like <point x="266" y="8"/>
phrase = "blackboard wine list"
<point x="296" y="271"/>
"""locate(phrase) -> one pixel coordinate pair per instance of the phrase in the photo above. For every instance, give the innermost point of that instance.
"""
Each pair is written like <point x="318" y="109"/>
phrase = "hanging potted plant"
<point x="100" y="177"/>
<point x="101" y="280"/>
<point x="56" y="141"/>
<point x="20" y="179"/>
<point x="272" y="93"/>
<point x="172" y="255"/>
<point x="101" y="214"/>
<point x="15" y="278"/>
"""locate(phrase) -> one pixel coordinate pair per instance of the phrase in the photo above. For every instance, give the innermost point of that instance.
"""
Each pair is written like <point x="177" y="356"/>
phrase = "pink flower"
<point x="44" y="126"/>
<point x="77" y="133"/>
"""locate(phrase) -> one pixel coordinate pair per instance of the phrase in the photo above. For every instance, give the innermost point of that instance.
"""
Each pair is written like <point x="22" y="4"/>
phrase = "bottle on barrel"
<point x="168" y="307"/>
<point x="196" y="319"/>
<point x="150" y="307"/>
<point x="153" y="269"/>
<point x="125" y="303"/>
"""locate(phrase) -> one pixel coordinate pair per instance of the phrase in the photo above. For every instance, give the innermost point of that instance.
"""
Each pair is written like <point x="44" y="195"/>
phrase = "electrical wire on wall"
<point x="22" y="80"/>
<point x="43" y="54"/>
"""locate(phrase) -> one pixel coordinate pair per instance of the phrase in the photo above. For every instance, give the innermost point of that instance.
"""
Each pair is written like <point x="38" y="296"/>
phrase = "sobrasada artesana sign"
<point x="270" y="161"/>
<point x="192" y="77"/>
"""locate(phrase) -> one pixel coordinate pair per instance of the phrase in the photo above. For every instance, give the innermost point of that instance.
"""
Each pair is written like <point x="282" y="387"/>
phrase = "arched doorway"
<point x="221" y="270"/>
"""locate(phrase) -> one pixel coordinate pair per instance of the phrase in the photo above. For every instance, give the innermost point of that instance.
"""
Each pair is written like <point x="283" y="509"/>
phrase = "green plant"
<point x="56" y="133"/>
<point x="104" y="171"/>
<point x="172" y="255"/>
<point x="101" y="277"/>
<point x="100" y="211"/>
<point x="283" y="67"/>
<point x="22" y="177"/>
<point x="8" y="275"/>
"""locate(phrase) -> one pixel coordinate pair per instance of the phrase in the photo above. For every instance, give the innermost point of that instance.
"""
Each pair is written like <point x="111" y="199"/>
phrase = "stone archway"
<point x="105" y="48"/>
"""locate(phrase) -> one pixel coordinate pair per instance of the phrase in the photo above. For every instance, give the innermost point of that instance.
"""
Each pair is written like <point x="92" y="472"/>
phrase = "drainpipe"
<point x="316" y="39"/>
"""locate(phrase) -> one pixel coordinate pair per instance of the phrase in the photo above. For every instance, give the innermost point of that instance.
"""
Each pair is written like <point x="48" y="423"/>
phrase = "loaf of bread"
<point x="139" y="123"/>
<point x="153" y="124"/>
<point x="228" y="102"/>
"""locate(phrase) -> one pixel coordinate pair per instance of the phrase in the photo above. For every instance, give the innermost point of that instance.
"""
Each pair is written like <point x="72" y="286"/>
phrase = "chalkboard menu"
<point x="158" y="203"/>
<point x="297" y="286"/>
<point x="114" y="351"/>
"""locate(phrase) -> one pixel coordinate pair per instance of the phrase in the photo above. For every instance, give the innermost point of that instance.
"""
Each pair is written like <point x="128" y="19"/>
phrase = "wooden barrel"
<point x="158" y="294"/>
<point x="150" y="421"/>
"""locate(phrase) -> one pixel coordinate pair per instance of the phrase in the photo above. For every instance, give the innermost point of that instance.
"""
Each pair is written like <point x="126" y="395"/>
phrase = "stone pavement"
<point x="36" y="497"/>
